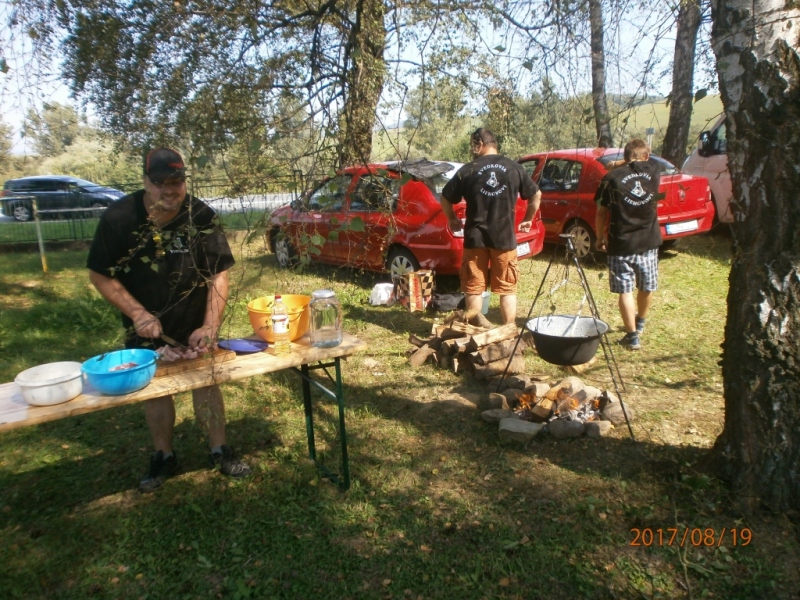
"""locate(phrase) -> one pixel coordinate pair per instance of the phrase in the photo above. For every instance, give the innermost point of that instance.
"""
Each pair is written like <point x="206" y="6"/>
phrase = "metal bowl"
<point x="554" y="346"/>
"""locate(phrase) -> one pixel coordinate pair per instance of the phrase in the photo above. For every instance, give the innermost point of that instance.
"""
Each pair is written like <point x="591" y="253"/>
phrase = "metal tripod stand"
<point x="608" y="353"/>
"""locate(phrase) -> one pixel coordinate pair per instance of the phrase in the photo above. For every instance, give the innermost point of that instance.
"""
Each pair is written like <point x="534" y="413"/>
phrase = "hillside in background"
<point x="391" y="144"/>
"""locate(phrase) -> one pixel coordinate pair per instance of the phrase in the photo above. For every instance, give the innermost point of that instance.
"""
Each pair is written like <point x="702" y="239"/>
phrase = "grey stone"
<point x="519" y="382"/>
<point x="596" y="429"/>
<point x="497" y="414"/>
<point x="613" y="411"/>
<point x="592" y="392"/>
<point x="493" y="401"/>
<point x="517" y="431"/>
<point x="539" y="389"/>
<point x="562" y="429"/>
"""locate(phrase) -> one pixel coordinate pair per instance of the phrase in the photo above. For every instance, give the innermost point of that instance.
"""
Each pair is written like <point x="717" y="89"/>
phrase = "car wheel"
<point x="401" y="261"/>
<point x="284" y="252"/>
<point x="583" y="238"/>
<point x="22" y="212"/>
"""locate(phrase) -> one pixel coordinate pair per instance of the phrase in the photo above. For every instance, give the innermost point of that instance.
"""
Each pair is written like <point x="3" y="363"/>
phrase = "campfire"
<point x="560" y="402"/>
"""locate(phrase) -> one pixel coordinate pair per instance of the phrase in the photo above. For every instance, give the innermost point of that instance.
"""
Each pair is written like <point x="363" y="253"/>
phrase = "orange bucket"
<point x="260" y="313"/>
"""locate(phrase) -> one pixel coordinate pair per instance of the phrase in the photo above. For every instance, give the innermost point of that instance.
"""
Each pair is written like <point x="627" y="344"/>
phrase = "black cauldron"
<point x="556" y="348"/>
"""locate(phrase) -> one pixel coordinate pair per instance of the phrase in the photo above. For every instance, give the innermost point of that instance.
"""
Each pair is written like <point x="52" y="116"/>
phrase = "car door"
<point x="559" y="181"/>
<point x="318" y="225"/>
<point x="368" y="224"/>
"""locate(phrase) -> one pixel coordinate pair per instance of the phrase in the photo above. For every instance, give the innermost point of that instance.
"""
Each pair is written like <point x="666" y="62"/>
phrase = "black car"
<point x="53" y="192"/>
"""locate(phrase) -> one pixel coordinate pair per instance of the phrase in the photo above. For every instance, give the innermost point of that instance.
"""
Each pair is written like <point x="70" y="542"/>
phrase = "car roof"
<point x="595" y="153"/>
<point x="67" y="178"/>
<point x="421" y="168"/>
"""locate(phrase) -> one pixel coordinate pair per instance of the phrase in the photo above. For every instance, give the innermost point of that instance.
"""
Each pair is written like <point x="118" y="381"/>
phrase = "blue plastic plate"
<point x="243" y="345"/>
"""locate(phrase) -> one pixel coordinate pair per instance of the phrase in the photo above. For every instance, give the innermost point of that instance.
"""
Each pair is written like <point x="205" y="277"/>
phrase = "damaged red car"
<point x="381" y="217"/>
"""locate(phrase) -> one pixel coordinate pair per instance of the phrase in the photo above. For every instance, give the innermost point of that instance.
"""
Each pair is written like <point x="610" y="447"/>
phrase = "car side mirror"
<point x="296" y="204"/>
<point x="704" y="145"/>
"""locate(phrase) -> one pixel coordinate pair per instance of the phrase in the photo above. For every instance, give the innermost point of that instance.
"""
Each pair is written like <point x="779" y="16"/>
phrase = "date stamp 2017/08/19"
<point x="696" y="536"/>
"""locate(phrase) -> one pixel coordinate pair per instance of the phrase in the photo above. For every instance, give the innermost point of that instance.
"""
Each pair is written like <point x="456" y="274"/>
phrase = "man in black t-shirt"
<point x="160" y="257"/>
<point x="627" y="203"/>
<point x="490" y="185"/>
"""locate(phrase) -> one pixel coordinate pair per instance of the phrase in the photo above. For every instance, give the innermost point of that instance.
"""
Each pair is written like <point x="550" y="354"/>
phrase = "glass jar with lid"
<point x="326" y="319"/>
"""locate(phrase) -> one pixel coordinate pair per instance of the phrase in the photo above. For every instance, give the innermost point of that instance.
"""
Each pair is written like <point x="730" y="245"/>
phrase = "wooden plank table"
<point x="303" y="358"/>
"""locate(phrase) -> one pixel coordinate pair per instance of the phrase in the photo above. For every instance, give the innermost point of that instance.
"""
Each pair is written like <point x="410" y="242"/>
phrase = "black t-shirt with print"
<point x="165" y="268"/>
<point x="630" y="192"/>
<point x="491" y="185"/>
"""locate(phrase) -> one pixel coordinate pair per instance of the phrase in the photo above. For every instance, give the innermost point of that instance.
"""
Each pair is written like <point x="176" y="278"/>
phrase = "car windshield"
<point x="667" y="167"/>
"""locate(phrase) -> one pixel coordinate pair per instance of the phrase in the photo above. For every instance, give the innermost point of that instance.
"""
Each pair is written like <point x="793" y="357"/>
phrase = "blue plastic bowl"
<point x="98" y="371"/>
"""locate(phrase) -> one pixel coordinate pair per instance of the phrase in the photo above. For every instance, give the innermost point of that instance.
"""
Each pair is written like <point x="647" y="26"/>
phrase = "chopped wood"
<point x="498" y="334"/>
<point x="475" y="317"/>
<point x="497" y="351"/>
<point x="498" y="367"/>
<point x="456" y="345"/>
<point x="445" y="331"/>
<point x="579" y="369"/>
<point x="433" y="342"/>
<point x="421" y="355"/>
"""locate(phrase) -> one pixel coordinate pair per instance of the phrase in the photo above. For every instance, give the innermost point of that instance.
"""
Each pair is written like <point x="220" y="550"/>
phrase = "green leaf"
<point x="3" y="65"/>
<point x="499" y="49"/>
<point x="314" y="250"/>
<point x="405" y="178"/>
<point x="528" y="65"/>
<point x="660" y="196"/>
<point x="334" y="221"/>
<point x="201" y="161"/>
<point x="145" y="259"/>
<point x="317" y="239"/>
<point x="356" y="224"/>
<point x="154" y="266"/>
<point x="700" y="94"/>
<point x="333" y="234"/>
<point x="255" y="145"/>
<point x="668" y="100"/>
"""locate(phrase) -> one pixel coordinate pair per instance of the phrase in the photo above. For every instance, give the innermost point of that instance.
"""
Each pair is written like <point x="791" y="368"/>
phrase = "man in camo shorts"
<point x="627" y="229"/>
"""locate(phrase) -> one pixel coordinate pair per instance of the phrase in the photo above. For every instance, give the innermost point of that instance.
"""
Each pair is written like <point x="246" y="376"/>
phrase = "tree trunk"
<point x="759" y="72"/>
<point x="364" y="82"/>
<point x="601" y="117"/>
<point x="680" y="109"/>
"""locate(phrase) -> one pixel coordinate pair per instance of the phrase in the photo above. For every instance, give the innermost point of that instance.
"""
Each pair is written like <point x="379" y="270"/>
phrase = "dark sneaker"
<point x="640" y="325"/>
<point x="160" y="469"/>
<point x="228" y="463"/>
<point x="630" y="341"/>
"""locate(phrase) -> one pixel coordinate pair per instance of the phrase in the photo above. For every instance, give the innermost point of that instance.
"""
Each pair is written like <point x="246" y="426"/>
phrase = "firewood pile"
<point x="467" y="341"/>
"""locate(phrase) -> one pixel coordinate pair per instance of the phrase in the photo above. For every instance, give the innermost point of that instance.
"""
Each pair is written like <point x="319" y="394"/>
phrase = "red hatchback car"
<point x="569" y="179"/>
<point x="381" y="217"/>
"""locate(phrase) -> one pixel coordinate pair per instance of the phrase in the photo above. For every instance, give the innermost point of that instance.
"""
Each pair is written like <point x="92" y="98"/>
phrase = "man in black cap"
<point x="160" y="257"/>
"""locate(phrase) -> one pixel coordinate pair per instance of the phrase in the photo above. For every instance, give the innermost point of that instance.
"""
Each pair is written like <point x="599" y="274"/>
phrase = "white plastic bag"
<point x="382" y="294"/>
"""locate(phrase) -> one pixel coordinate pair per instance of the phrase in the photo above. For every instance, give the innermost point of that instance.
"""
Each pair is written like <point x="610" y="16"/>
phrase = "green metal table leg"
<point x="312" y="446"/>
<point x="342" y="430"/>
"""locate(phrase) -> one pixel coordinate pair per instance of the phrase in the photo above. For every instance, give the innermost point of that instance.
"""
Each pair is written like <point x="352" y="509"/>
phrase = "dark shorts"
<point x="641" y="269"/>
<point x="485" y="267"/>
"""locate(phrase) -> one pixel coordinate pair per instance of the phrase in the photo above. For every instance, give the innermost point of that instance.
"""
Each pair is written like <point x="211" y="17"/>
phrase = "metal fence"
<point x="239" y="209"/>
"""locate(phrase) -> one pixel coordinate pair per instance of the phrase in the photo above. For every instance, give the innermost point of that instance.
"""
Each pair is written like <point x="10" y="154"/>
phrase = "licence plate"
<point x="673" y="228"/>
<point x="523" y="249"/>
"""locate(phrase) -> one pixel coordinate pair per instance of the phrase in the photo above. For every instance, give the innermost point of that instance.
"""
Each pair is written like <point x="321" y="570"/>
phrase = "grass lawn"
<point x="438" y="508"/>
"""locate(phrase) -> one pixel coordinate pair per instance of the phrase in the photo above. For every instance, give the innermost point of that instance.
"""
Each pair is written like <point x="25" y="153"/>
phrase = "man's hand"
<point x="455" y="224"/>
<point x="601" y="245"/>
<point x="203" y="338"/>
<point x="147" y="325"/>
<point x="525" y="226"/>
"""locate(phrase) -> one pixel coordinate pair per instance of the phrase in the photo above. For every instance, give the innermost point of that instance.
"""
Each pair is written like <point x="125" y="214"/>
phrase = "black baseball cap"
<point x="162" y="164"/>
